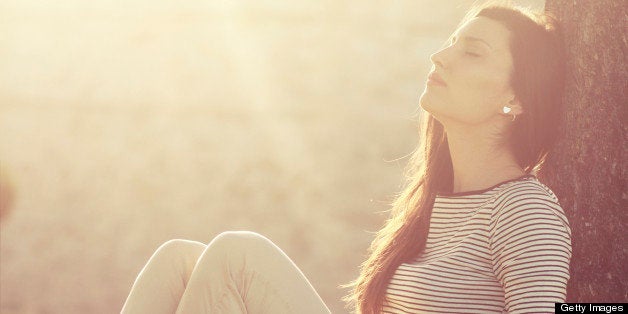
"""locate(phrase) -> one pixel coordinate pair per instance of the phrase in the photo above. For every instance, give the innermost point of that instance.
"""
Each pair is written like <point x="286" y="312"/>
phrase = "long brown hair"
<point x="538" y="82"/>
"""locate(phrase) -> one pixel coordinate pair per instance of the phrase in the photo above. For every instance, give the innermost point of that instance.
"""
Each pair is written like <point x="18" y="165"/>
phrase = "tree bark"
<point x="586" y="169"/>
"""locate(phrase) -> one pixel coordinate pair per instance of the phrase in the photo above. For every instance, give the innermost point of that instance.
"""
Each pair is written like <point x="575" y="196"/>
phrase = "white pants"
<point x="237" y="272"/>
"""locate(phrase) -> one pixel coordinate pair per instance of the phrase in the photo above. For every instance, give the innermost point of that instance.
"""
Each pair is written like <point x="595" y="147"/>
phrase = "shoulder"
<point x="527" y="198"/>
<point x="529" y="189"/>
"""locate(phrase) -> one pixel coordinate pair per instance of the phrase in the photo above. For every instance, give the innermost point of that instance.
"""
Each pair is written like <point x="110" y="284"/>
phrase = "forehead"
<point x="491" y="31"/>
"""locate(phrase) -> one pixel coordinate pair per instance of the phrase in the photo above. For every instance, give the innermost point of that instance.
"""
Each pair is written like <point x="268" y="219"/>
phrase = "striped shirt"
<point x="505" y="249"/>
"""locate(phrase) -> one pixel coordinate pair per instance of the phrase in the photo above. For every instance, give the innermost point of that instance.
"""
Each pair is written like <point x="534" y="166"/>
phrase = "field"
<point x="124" y="126"/>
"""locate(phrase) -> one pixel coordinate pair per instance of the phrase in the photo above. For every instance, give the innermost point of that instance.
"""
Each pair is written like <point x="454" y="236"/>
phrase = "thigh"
<point x="179" y="257"/>
<point x="243" y="271"/>
<point x="161" y="282"/>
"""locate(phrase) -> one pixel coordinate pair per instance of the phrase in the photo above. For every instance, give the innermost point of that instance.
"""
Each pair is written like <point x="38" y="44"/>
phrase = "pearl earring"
<point x="506" y="110"/>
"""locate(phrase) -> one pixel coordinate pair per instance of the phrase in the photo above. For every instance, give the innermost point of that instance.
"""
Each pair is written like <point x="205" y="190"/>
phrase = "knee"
<point x="179" y="248"/>
<point x="240" y="240"/>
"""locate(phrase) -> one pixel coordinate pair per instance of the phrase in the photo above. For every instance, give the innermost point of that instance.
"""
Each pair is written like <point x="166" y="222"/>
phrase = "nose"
<point x="437" y="58"/>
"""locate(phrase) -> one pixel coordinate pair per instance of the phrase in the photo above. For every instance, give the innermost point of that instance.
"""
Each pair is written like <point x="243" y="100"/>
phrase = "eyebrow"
<point x="470" y="38"/>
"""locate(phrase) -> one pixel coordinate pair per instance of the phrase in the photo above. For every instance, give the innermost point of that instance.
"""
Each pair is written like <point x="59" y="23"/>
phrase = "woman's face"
<point x="476" y="67"/>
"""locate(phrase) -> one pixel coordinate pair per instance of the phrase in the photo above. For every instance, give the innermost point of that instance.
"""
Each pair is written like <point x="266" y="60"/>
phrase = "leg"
<point x="244" y="272"/>
<point x="160" y="284"/>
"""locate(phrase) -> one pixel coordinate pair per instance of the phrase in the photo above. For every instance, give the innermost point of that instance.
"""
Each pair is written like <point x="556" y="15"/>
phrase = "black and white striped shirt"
<point x="505" y="249"/>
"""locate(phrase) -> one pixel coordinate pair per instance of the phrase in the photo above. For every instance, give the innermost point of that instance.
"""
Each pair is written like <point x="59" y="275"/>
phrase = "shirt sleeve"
<point x="530" y="243"/>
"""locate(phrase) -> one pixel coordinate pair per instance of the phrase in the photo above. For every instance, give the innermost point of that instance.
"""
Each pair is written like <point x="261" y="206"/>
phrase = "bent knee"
<point x="244" y="240"/>
<point x="180" y="247"/>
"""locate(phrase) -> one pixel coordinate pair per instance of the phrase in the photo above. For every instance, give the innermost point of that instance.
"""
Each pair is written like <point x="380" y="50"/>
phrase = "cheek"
<point x="483" y="89"/>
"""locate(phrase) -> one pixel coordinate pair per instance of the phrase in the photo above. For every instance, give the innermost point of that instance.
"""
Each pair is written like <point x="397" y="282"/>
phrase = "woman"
<point x="474" y="231"/>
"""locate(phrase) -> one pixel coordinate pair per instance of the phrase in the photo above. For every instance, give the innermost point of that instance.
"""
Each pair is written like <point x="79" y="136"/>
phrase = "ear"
<point x="515" y="107"/>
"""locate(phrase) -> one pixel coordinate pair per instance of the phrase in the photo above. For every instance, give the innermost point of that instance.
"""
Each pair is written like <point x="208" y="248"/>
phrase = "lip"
<point x="435" y="79"/>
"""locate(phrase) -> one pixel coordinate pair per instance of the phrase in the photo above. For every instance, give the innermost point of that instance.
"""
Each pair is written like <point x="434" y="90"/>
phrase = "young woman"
<point x="474" y="231"/>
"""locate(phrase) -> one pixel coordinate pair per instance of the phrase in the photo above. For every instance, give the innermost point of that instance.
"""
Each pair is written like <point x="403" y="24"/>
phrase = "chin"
<point x="429" y="107"/>
<point x="425" y="103"/>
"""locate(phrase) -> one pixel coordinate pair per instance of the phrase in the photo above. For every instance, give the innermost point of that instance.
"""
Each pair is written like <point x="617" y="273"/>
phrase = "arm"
<point x="530" y="242"/>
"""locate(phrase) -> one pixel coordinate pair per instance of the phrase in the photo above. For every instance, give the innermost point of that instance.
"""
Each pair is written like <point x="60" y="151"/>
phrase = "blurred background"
<point x="124" y="124"/>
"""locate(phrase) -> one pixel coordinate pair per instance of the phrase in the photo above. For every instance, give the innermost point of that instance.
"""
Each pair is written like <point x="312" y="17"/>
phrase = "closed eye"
<point x="452" y="41"/>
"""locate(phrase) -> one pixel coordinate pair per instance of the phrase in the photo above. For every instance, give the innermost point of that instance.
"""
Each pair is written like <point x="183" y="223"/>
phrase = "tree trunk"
<point x="586" y="169"/>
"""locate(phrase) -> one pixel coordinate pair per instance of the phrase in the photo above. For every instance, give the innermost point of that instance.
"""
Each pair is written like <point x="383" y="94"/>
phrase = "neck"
<point x="478" y="162"/>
